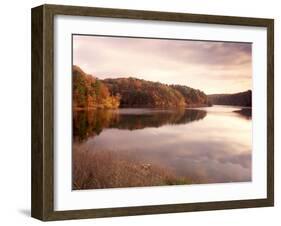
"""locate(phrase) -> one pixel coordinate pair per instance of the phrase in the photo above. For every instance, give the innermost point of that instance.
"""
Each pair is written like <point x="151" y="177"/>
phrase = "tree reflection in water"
<point x="92" y="122"/>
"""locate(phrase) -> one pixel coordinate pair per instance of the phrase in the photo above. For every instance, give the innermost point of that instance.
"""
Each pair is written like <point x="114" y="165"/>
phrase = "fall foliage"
<point x="90" y="92"/>
<point x="140" y="93"/>
<point x="192" y="97"/>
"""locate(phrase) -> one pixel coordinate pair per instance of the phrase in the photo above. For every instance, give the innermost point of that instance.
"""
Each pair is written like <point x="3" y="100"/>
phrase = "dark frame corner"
<point x="42" y="203"/>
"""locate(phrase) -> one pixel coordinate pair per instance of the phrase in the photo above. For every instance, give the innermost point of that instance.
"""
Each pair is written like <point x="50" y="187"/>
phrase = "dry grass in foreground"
<point x="107" y="169"/>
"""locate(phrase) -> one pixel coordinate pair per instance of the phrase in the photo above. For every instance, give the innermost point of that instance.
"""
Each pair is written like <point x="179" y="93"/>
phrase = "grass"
<point x="107" y="169"/>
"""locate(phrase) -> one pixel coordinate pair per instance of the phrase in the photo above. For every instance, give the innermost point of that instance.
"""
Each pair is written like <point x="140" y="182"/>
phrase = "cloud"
<point x="211" y="66"/>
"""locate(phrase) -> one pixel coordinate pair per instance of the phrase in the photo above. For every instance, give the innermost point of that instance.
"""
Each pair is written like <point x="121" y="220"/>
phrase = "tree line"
<point x="91" y="92"/>
<point x="236" y="99"/>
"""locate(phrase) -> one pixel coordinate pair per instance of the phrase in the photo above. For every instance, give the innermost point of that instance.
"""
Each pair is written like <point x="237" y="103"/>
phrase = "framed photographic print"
<point x="142" y="112"/>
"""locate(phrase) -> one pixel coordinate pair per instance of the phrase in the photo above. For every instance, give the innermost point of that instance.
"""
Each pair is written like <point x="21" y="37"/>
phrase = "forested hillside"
<point x="90" y="92"/>
<point x="236" y="99"/>
<point x="192" y="97"/>
<point x="141" y="93"/>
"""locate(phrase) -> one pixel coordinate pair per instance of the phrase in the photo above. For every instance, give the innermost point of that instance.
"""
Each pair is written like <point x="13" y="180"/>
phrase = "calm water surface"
<point x="208" y="145"/>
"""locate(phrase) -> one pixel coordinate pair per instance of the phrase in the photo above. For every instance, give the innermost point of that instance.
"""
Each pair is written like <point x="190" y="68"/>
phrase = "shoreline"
<point x="141" y="106"/>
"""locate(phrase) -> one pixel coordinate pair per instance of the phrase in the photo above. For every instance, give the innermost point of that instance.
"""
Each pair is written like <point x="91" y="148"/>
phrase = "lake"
<point x="205" y="145"/>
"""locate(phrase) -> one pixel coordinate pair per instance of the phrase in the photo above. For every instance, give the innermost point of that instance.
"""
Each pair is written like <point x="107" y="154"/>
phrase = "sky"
<point x="213" y="67"/>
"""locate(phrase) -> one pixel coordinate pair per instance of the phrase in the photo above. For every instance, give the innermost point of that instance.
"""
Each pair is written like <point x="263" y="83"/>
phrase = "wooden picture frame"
<point x="43" y="112"/>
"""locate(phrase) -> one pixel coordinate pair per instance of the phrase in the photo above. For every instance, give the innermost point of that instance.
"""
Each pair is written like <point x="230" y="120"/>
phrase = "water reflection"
<point x="245" y="112"/>
<point x="90" y="123"/>
<point x="208" y="145"/>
